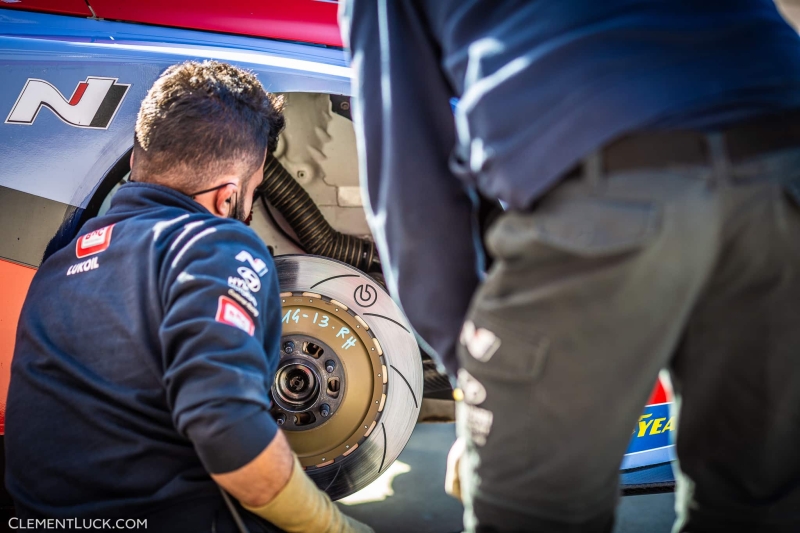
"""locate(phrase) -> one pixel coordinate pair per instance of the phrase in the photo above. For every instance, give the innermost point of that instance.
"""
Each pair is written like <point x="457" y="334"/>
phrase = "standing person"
<point x="147" y="347"/>
<point x="646" y="152"/>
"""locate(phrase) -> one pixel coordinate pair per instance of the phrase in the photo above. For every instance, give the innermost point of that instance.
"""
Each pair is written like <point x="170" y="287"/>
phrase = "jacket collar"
<point x="137" y="196"/>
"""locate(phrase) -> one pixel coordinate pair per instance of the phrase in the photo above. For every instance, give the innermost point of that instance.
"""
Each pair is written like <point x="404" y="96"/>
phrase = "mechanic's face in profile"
<point x="237" y="210"/>
<point x="234" y="200"/>
<point x="243" y="203"/>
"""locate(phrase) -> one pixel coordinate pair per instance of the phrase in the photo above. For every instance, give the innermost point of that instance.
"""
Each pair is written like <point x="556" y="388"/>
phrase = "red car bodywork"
<point x="57" y="7"/>
<point x="309" y="21"/>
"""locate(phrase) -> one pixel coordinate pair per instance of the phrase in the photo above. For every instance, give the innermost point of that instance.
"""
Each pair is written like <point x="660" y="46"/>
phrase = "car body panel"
<point x="65" y="51"/>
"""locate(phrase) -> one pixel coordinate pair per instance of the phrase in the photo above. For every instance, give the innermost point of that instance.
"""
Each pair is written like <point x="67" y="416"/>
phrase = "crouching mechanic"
<point x="147" y="347"/>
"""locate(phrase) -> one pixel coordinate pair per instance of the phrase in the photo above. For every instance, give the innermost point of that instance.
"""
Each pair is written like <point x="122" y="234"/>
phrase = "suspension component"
<point x="315" y="233"/>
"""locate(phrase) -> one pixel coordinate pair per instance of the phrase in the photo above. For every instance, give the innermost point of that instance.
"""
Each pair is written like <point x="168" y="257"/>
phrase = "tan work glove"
<point x="452" y="479"/>
<point x="300" y="507"/>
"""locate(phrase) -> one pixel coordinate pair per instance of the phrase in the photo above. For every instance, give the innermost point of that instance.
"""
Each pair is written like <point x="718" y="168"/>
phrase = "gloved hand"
<point x="452" y="479"/>
<point x="300" y="507"/>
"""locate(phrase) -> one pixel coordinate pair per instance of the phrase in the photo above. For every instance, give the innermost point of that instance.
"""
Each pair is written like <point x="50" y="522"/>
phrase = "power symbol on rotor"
<point x="365" y="295"/>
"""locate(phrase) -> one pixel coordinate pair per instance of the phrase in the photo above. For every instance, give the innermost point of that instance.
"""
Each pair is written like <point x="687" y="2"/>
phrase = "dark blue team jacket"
<point x="541" y="84"/>
<point x="143" y="360"/>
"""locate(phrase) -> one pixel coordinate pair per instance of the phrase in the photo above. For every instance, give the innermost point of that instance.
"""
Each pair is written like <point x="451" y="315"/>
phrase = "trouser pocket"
<point x="586" y="226"/>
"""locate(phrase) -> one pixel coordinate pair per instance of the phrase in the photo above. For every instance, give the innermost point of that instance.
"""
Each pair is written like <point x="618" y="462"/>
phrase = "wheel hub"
<point x="309" y="385"/>
<point x="296" y="384"/>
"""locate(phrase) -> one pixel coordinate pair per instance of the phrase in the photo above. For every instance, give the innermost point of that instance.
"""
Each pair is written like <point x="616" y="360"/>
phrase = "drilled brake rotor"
<point x="349" y="382"/>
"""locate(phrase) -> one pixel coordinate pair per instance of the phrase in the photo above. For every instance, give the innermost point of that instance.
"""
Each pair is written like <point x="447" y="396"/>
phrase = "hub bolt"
<point x="330" y="366"/>
<point x="280" y="419"/>
<point x="324" y="410"/>
<point x="288" y="347"/>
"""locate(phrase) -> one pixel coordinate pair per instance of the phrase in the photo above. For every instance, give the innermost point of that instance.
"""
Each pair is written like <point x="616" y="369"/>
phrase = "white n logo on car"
<point x="93" y="104"/>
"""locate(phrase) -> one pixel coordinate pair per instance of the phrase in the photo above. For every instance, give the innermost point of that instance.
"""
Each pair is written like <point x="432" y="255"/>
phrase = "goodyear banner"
<point x="652" y="438"/>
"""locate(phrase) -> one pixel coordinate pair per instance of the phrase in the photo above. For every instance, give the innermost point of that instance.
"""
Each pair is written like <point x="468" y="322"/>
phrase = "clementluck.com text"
<point x="77" y="523"/>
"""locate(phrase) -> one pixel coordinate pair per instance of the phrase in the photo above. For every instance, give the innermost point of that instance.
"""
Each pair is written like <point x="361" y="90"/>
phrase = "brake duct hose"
<point x="304" y="217"/>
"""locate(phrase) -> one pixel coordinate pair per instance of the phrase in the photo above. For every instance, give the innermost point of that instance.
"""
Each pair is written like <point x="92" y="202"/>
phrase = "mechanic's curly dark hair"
<point x="201" y="120"/>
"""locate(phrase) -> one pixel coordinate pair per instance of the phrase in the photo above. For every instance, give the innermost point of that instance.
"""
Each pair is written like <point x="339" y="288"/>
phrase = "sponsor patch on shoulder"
<point x="250" y="277"/>
<point x="83" y="266"/>
<point x="231" y="313"/>
<point x="94" y="242"/>
<point x="258" y="264"/>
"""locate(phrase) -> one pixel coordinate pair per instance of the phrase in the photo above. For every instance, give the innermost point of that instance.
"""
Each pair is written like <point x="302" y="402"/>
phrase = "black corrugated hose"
<point x="315" y="234"/>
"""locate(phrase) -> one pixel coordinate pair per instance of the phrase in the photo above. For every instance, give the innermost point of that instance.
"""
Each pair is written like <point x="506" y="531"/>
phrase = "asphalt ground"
<point x="410" y="498"/>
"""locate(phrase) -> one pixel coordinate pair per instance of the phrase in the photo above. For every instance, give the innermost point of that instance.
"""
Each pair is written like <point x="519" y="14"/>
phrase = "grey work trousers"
<point x="606" y="281"/>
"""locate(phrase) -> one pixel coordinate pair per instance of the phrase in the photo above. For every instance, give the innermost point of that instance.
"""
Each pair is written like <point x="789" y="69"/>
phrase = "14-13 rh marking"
<point x="323" y="322"/>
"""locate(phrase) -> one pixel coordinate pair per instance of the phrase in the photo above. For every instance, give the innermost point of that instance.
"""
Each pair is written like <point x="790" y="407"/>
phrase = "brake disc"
<point x="349" y="383"/>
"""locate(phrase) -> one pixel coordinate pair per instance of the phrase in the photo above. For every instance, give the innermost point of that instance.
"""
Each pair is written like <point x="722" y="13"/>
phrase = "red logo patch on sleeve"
<point x="94" y="242"/>
<point x="231" y="313"/>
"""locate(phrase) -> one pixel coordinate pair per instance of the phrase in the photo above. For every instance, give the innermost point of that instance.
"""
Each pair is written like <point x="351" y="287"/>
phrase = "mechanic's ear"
<point x="131" y="158"/>
<point x="223" y="200"/>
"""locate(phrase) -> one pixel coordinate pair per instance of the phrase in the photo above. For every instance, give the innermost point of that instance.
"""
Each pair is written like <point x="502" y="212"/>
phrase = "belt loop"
<point x="593" y="170"/>
<point x="720" y="162"/>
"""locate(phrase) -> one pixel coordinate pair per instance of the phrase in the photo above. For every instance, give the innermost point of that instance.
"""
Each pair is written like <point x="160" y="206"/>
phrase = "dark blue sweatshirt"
<point x="144" y="356"/>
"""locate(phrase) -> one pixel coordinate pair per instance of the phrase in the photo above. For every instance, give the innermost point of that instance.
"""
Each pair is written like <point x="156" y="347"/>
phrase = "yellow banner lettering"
<point x="657" y="426"/>
<point x="644" y="424"/>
